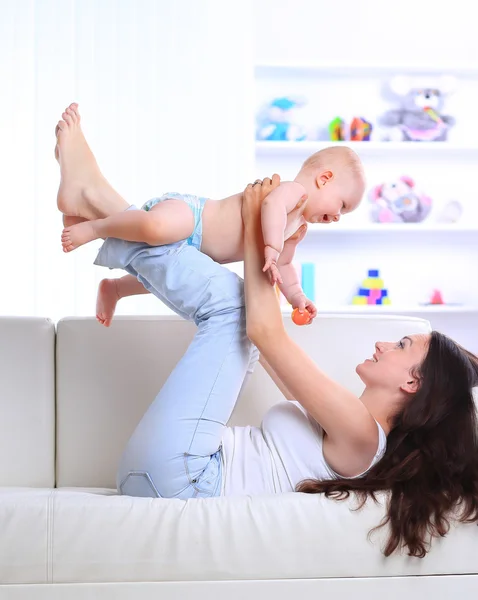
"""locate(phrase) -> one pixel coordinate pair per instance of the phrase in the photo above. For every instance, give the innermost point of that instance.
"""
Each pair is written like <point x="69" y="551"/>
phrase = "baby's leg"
<point x="112" y="290"/>
<point x="167" y="222"/>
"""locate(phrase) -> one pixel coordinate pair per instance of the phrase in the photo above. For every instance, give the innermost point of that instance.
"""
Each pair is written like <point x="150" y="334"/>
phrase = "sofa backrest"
<point x="106" y="379"/>
<point x="27" y="402"/>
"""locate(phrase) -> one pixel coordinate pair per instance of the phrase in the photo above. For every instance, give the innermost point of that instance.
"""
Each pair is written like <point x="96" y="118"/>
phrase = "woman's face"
<point x="393" y="363"/>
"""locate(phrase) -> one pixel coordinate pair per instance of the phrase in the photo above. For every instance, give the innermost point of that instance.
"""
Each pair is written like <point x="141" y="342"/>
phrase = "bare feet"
<point x="69" y="221"/>
<point x="79" y="170"/>
<point x="83" y="192"/>
<point x="106" y="301"/>
<point x="76" y="235"/>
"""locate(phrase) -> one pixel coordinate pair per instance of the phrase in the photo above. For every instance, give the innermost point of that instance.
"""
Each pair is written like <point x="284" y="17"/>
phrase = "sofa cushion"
<point x="64" y="536"/>
<point x="25" y="521"/>
<point x="27" y="401"/>
<point x="106" y="379"/>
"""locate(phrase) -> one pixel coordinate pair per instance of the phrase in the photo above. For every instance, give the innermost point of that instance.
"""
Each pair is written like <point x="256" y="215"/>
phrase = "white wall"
<point x="165" y="89"/>
<point x="367" y="31"/>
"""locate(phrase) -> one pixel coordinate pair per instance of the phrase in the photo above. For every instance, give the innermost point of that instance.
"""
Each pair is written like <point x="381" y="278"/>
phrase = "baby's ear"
<point x="323" y="178"/>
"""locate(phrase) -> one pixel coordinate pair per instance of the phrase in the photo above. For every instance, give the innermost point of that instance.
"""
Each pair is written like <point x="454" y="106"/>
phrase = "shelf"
<point x="363" y="69"/>
<point x="391" y="309"/>
<point x="378" y="228"/>
<point x="306" y="148"/>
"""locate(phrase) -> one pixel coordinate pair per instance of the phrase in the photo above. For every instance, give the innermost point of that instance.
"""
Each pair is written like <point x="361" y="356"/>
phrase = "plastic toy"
<point x="360" y="130"/>
<point x="420" y="117"/>
<point x="276" y="121"/>
<point x="436" y="298"/>
<point x="372" y="290"/>
<point x="301" y="318"/>
<point x="337" y="130"/>
<point x="399" y="202"/>
<point x="307" y="277"/>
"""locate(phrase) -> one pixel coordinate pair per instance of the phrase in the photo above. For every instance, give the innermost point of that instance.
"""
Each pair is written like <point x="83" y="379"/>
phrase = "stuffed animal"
<point x="275" y="122"/>
<point x="399" y="202"/>
<point x="420" y="117"/>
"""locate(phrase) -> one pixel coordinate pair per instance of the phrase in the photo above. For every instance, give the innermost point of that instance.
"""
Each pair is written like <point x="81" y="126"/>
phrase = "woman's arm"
<point x="351" y="430"/>
<point x="273" y="375"/>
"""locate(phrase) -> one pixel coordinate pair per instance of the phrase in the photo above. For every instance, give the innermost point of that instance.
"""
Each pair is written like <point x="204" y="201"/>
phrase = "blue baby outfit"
<point x="195" y="203"/>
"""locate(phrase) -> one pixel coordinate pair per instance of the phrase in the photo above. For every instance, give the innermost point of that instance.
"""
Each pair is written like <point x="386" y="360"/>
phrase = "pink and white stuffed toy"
<point x="399" y="202"/>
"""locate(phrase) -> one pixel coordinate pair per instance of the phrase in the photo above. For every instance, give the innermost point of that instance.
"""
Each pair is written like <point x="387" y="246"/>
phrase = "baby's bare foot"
<point x="83" y="192"/>
<point x="75" y="236"/>
<point x="106" y="301"/>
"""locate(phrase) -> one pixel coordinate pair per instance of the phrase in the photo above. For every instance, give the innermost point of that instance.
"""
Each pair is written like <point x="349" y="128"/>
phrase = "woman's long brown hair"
<point x="430" y="467"/>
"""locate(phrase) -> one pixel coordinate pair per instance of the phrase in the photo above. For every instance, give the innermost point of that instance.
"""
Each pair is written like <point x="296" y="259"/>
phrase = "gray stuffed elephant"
<point x="420" y="118"/>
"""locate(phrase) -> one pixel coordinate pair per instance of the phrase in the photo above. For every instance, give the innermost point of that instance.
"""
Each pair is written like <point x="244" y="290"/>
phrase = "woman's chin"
<point x="361" y="368"/>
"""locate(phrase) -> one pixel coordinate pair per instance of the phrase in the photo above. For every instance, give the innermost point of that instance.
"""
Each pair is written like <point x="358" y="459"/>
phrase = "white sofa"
<point x="71" y="395"/>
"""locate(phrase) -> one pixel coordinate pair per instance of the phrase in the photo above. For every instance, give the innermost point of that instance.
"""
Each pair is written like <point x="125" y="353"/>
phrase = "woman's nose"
<point x="384" y="346"/>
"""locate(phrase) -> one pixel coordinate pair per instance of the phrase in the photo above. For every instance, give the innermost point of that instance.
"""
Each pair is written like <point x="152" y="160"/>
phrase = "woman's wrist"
<point x="253" y="232"/>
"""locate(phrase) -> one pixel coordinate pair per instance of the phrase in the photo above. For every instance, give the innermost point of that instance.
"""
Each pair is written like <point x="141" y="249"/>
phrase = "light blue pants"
<point x="175" y="450"/>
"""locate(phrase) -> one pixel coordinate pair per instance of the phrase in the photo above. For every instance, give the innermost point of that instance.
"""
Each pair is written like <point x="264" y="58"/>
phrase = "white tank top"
<point x="277" y="456"/>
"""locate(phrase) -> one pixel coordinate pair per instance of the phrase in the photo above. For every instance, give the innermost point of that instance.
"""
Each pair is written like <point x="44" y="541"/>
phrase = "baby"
<point x="331" y="181"/>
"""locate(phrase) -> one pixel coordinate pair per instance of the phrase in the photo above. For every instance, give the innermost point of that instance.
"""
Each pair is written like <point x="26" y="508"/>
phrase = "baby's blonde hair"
<point x="334" y="158"/>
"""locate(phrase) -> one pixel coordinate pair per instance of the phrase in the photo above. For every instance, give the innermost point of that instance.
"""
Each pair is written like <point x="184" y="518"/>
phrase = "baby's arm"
<point x="290" y="286"/>
<point x="275" y="208"/>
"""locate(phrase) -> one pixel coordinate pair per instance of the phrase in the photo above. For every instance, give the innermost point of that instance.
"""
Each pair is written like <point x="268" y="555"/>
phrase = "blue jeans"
<point x="175" y="450"/>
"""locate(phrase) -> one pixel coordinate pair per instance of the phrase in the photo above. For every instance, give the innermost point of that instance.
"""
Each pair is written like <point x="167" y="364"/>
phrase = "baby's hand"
<point x="270" y="266"/>
<point x="310" y="306"/>
<point x="272" y="272"/>
<point x="301" y="302"/>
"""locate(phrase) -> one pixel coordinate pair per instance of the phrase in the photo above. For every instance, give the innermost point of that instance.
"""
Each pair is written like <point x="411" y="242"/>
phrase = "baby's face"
<point x="328" y="203"/>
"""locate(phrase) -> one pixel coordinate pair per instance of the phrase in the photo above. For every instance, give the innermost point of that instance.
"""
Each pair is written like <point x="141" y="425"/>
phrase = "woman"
<point x="418" y="391"/>
<point x="418" y="394"/>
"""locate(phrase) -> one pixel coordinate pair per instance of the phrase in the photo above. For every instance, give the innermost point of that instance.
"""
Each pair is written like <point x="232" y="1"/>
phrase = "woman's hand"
<point x="254" y="194"/>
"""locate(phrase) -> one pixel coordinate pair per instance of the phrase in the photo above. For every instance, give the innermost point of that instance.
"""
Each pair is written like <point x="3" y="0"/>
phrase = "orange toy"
<point x="301" y="318"/>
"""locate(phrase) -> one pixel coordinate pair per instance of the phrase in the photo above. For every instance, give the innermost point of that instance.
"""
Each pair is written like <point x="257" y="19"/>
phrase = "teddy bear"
<point x="277" y="121"/>
<point x="399" y="202"/>
<point x="420" y="117"/>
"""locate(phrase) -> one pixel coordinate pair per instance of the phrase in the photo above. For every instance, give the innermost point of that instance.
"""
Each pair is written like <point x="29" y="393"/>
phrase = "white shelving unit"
<point x="365" y="148"/>
<point x="419" y="310"/>
<point x="405" y="228"/>
<point x="413" y="258"/>
<point x="332" y="69"/>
